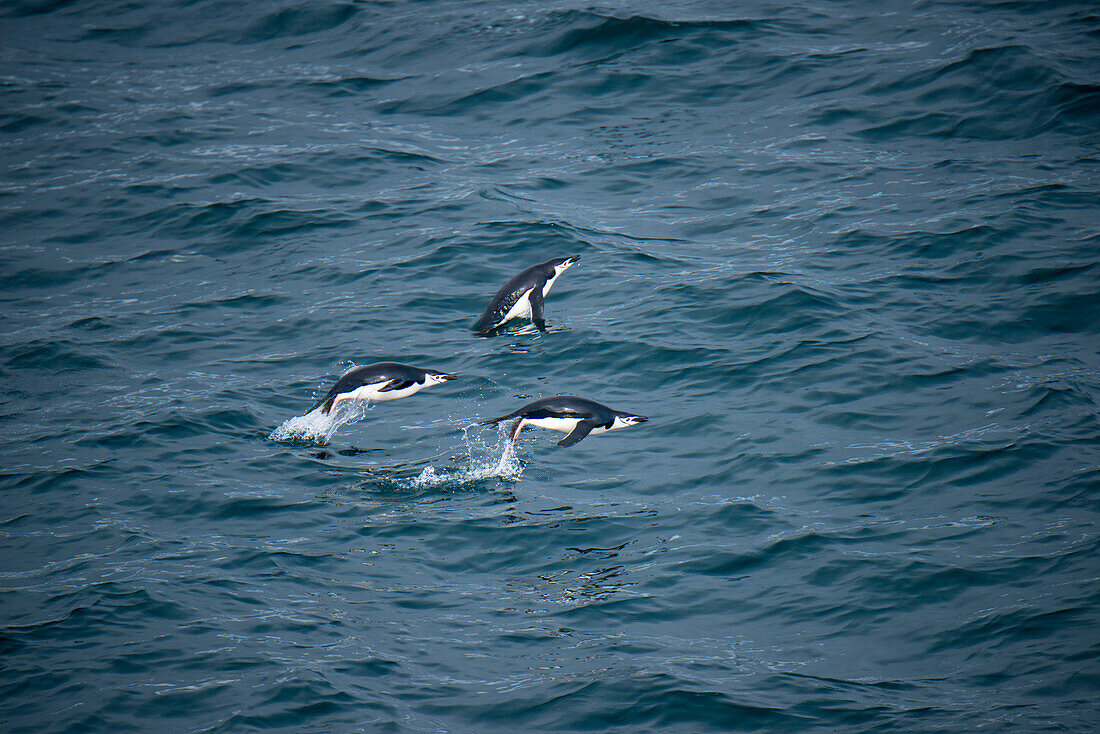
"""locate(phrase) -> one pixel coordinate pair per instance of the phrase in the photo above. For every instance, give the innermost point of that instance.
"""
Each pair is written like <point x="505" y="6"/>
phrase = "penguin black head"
<point x="561" y="264"/>
<point x="435" y="377"/>
<point x="622" y="420"/>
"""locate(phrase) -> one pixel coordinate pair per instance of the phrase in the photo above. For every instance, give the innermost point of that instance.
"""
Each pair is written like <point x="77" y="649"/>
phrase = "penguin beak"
<point x="571" y="261"/>
<point x="443" y="377"/>
<point x="636" y="419"/>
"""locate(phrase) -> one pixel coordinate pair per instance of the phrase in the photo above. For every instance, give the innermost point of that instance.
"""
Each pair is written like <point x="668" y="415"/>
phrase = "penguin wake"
<point x="486" y="461"/>
<point x="316" y="426"/>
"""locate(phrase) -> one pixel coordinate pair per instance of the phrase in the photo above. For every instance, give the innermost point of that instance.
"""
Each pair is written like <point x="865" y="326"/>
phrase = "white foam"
<point x="485" y="461"/>
<point x="317" y="426"/>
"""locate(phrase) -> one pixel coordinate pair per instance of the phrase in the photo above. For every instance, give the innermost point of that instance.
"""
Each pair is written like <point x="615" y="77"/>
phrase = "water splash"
<point x="317" y="426"/>
<point x="483" y="461"/>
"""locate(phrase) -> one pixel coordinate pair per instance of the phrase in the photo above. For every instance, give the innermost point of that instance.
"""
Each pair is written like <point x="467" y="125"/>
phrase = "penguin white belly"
<point x="371" y="393"/>
<point x="363" y="392"/>
<point x="564" y="425"/>
<point x="522" y="307"/>
<point x="381" y="397"/>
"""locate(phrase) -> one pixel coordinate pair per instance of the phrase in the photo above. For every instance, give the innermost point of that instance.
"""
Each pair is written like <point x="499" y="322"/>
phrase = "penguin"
<point x="380" y="382"/>
<point x="524" y="295"/>
<point x="568" y="414"/>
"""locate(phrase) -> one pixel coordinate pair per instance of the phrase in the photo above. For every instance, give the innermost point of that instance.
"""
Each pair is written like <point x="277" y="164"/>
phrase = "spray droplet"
<point x="486" y="461"/>
<point x="319" y="427"/>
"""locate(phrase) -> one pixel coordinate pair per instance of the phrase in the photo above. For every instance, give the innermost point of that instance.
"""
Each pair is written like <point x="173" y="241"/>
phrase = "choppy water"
<point x="843" y="254"/>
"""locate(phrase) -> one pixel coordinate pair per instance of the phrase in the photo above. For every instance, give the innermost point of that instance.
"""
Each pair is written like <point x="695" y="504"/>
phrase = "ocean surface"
<point x="844" y="255"/>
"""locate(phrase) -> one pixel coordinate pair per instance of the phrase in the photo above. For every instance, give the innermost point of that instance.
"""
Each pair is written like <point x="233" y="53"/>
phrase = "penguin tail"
<point x="325" y="404"/>
<point x="516" y="428"/>
<point x="498" y="420"/>
<point x="486" y="325"/>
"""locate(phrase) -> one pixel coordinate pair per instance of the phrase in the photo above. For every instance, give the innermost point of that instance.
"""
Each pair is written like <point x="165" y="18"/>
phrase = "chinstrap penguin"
<point x="524" y="296"/>
<point x="577" y="417"/>
<point x="380" y="382"/>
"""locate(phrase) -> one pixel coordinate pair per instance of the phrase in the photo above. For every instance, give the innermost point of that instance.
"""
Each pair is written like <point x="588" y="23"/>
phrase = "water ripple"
<point x="843" y="258"/>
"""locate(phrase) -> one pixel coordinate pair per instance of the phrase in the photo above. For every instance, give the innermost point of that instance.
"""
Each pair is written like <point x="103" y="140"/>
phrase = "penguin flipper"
<point x="582" y="429"/>
<point x="538" y="306"/>
<point x="396" y="385"/>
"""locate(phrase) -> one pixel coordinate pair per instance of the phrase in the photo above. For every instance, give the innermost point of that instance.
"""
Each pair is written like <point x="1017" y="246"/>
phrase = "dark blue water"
<point x="843" y="254"/>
